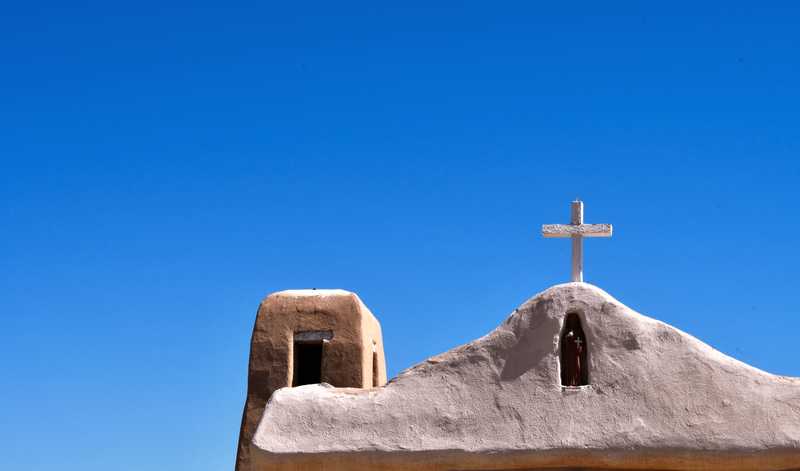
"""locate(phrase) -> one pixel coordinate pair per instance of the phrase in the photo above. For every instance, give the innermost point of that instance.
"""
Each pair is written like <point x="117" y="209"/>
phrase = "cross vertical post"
<point x="577" y="242"/>
<point x="577" y="230"/>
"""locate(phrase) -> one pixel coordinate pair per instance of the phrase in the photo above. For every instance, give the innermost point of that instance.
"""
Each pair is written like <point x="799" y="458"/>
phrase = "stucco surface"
<point x="346" y="361"/>
<point x="658" y="399"/>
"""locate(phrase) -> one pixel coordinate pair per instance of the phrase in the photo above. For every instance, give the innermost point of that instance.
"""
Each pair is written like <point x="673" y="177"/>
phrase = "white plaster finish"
<point x="577" y="230"/>
<point x="584" y="230"/>
<point x="658" y="399"/>
<point x="352" y="334"/>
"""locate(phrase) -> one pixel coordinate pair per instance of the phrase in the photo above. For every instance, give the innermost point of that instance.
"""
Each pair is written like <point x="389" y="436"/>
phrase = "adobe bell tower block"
<point x="306" y="337"/>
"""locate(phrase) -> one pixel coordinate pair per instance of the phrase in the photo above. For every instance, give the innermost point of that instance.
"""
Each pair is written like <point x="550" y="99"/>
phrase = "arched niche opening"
<point x="574" y="353"/>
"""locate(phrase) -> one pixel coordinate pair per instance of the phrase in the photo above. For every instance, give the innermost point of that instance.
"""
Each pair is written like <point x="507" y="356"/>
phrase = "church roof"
<point x="658" y="398"/>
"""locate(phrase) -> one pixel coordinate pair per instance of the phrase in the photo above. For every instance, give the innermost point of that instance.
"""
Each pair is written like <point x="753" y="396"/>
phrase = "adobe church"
<point x="572" y="379"/>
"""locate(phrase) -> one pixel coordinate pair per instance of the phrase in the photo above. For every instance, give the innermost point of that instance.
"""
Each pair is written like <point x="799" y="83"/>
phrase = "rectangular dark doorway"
<point x="375" y="369"/>
<point x="307" y="363"/>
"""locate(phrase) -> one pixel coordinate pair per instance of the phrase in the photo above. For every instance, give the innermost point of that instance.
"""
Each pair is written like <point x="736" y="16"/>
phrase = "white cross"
<point x="577" y="230"/>
<point x="579" y="342"/>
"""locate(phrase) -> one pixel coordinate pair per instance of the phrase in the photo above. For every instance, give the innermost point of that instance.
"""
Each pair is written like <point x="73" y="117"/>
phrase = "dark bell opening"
<point x="307" y="363"/>
<point x="574" y="348"/>
<point x="374" y="369"/>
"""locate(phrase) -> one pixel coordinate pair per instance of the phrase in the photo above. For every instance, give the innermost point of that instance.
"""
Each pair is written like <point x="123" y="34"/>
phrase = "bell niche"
<point x="574" y="349"/>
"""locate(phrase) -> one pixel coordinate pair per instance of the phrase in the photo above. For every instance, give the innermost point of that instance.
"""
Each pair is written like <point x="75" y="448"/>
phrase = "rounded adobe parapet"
<point x="658" y="398"/>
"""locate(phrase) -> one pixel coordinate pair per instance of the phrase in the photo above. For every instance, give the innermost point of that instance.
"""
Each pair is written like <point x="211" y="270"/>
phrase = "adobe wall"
<point x="347" y="356"/>
<point x="658" y="399"/>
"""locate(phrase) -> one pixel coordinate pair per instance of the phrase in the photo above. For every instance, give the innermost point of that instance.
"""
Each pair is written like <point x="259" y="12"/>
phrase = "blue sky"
<point x="165" y="166"/>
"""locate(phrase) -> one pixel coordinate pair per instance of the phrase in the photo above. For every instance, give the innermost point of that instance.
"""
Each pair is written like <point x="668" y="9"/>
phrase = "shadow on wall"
<point x="533" y="347"/>
<point x="538" y="342"/>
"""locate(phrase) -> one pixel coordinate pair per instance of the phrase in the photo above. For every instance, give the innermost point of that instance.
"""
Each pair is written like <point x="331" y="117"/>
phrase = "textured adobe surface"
<point x="347" y="356"/>
<point x="658" y="399"/>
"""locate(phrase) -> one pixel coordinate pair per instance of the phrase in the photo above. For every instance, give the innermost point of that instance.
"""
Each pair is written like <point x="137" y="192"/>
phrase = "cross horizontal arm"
<point x="583" y="230"/>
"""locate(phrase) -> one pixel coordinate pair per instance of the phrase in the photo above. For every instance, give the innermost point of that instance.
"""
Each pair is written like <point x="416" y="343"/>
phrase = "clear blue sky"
<point x="165" y="166"/>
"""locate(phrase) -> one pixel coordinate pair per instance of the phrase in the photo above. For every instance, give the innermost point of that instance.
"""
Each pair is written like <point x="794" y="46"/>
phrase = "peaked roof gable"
<point x="656" y="396"/>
